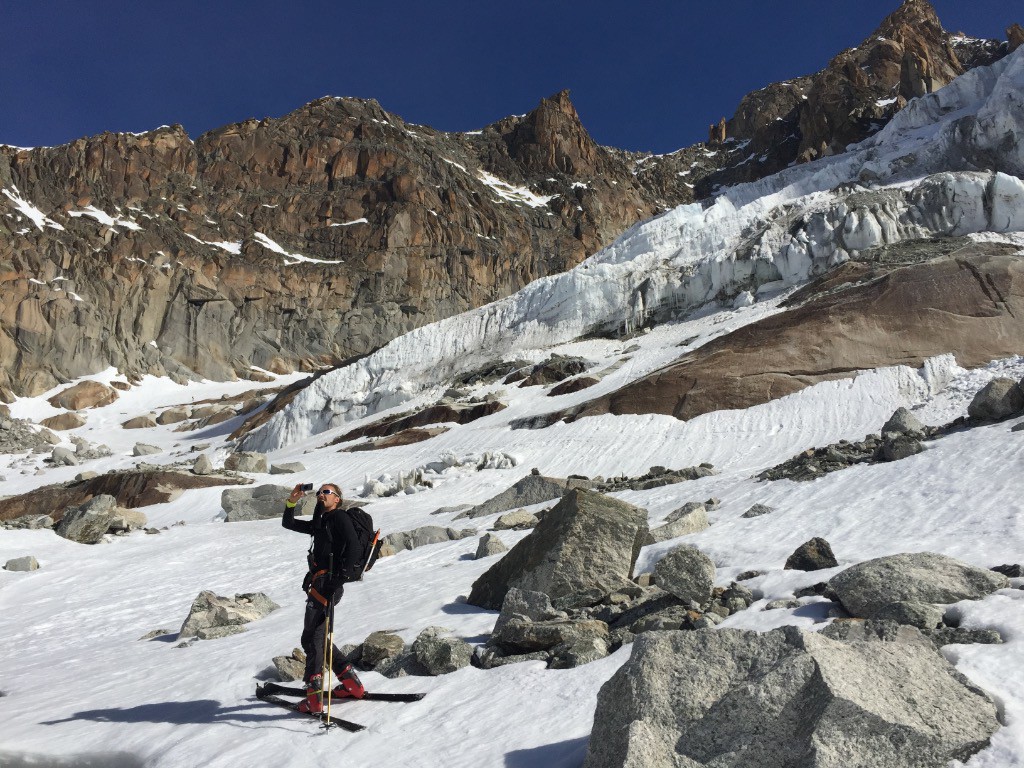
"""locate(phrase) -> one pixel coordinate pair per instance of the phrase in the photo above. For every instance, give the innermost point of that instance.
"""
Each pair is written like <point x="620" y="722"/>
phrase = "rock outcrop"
<point x="214" y="255"/>
<point x="212" y="616"/>
<point x="840" y="324"/>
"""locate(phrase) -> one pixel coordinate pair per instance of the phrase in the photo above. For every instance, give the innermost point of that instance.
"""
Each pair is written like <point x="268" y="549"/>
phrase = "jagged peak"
<point x="912" y="15"/>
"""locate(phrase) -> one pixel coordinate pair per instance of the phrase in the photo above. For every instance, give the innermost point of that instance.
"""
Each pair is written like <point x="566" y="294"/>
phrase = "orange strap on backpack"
<point x="312" y="590"/>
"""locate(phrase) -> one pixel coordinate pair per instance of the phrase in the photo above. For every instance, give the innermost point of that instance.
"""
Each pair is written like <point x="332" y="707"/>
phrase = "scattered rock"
<point x="813" y="555"/>
<point x="999" y="399"/>
<point x="532" y="489"/>
<point x="1011" y="571"/>
<point x="867" y="588"/>
<point x="173" y="415"/>
<point x="379" y="648"/>
<point x="523" y="605"/>
<point x="86" y="394"/>
<point x="757" y="510"/>
<point x="290" y="668"/>
<point x="142" y="449"/>
<point x="287" y="468"/>
<point x="260" y="502"/>
<point x="246" y="461"/>
<point x="202" y="465"/>
<point x="63" y="457"/>
<point x="778" y="694"/>
<point x="441" y="655"/>
<point x="88" y="523"/>
<point x="584" y="547"/>
<point x="687" y="573"/>
<point x="27" y="563"/>
<point x="62" y="421"/>
<point x="157" y="633"/>
<point x="213" y="616"/>
<point x="421" y="537"/>
<point x="520" y="520"/>
<point x="29" y="522"/>
<point x="139" y="422"/>
<point x="489" y="545"/>
<point x="903" y="422"/>
<point x="690" y="518"/>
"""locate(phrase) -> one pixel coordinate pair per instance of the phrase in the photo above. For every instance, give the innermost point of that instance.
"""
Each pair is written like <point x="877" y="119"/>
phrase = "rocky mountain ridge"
<point x="304" y="241"/>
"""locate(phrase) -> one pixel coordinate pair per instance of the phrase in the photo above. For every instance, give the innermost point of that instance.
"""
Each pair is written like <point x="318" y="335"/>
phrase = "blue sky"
<point x="643" y="75"/>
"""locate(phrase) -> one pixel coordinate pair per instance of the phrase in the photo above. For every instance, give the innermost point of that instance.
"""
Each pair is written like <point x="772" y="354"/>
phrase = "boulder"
<point x="813" y="555"/>
<point x="27" y="563"/>
<point x="86" y="394"/>
<point x="997" y="400"/>
<point x="899" y="447"/>
<point x="88" y="523"/>
<point x="757" y="510"/>
<point x="520" y="520"/>
<point x="29" y="522"/>
<point x="731" y="698"/>
<point x="588" y="543"/>
<point x="64" y="457"/>
<point x="517" y="636"/>
<point x="489" y="545"/>
<point x="213" y="616"/>
<point x="523" y="605"/>
<point x="139" y="422"/>
<point x="292" y="667"/>
<point x="247" y="461"/>
<point x="421" y="537"/>
<point x="62" y="421"/>
<point x="127" y="520"/>
<point x="288" y="468"/>
<point x="260" y="503"/>
<point x="202" y="465"/>
<point x="903" y="422"/>
<point x="381" y="647"/>
<point x="690" y="518"/>
<point x="142" y="449"/>
<point x="440" y="655"/>
<point x="173" y="415"/>
<point x="867" y="588"/>
<point x="687" y="573"/>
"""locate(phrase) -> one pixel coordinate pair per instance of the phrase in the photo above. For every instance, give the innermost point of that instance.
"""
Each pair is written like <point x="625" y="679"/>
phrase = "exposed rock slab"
<point x="845" y="322"/>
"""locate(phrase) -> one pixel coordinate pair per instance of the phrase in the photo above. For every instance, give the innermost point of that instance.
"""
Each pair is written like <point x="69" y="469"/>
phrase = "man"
<point x="334" y="542"/>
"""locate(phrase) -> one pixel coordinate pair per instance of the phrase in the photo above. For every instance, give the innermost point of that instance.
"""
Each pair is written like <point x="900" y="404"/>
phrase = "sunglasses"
<point x="325" y="492"/>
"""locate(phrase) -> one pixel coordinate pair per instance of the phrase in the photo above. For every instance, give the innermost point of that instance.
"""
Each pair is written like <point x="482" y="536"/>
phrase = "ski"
<point x="347" y="725"/>
<point x="284" y="690"/>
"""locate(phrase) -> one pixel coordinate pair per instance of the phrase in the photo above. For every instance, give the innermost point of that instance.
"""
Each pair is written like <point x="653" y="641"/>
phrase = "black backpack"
<point x="366" y="554"/>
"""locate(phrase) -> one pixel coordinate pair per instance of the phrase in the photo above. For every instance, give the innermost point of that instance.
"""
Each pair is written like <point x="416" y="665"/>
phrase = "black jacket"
<point x="333" y="535"/>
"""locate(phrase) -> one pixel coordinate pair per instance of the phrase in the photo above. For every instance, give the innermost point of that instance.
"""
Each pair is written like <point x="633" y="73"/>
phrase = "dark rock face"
<point x="588" y="543"/>
<point x="909" y="55"/>
<point x="290" y="243"/>
<point x="131" y="489"/>
<point x="730" y="698"/>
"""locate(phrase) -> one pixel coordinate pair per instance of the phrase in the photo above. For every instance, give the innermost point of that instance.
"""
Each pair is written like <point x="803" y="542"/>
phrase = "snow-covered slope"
<point x="783" y="229"/>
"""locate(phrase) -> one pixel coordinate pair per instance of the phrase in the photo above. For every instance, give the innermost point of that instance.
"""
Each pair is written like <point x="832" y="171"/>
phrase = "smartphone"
<point x="306" y="487"/>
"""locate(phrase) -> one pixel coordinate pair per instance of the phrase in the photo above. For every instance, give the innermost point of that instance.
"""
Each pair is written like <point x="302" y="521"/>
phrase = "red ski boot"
<point x="349" y="686"/>
<point x="313" y="703"/>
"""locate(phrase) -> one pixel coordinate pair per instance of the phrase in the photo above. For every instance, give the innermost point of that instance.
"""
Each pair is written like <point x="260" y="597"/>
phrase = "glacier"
<point x="947" y="165"/>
